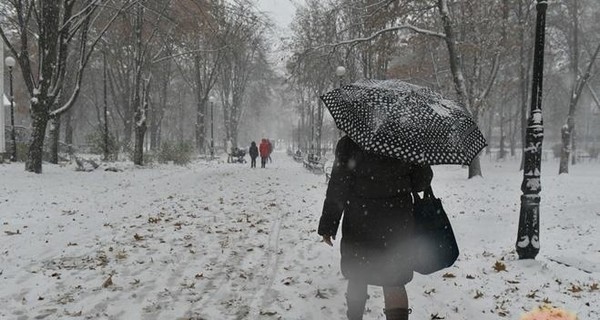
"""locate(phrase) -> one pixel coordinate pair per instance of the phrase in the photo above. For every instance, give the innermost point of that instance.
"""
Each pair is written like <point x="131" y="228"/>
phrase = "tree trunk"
<point x="565" y="151"/>
<point x="454" y="56"/>
<point x="140" y="127"/>
<point x="319" y="127"/>
<point x="475" y="167"/>
<point x="201" y="107"/>
<point x="69" y="129"/>
<point x="235" y="123"/>
<point x="574" y="146"/>
<point x="502" y="152"/>
<point x="154" y="129"/>
<point x="36" y="147"/>
<point x="488" y="149"/>
<point x="201" y="112"/>
<point x="457" y="73"/>
<point x="513" y="128"/>
<point x="54" y="134"/>
<point x="138" y="152"/>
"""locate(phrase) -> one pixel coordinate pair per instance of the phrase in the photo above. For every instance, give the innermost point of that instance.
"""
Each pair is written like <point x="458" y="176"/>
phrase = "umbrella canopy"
<point x="404" y="121"/>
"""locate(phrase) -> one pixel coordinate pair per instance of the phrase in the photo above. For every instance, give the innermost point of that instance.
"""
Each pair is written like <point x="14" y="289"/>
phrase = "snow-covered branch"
<point x="383" y="31"/>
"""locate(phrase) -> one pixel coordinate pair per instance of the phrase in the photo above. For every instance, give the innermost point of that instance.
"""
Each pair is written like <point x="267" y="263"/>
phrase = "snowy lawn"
<point x="221" y="241"/>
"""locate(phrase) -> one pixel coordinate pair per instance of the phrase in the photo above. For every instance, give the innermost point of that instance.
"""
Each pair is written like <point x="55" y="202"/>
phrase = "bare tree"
<point x="473" y="32"/>
<point x="246" y="51"/>
<point x="579" y="81"/>
<point x="57" y="27"/>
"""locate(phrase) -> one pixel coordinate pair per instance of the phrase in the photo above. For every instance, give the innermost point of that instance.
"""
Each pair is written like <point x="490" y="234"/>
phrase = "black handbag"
<point x="435" y="246"/>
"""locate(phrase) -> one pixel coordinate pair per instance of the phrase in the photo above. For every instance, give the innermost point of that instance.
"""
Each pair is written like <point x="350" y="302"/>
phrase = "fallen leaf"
<point x="268" y="313"/>
<point x="575" y="288"/>
<point x="108" y="282"/>
<point x="321" y="295"/>
<point x="499" y="266"/>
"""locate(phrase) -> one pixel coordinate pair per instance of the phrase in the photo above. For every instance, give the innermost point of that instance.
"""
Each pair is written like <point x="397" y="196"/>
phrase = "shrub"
<point x="180" y="153"/>
<point x="594" y="152"/>
<point x="96" y="142"/>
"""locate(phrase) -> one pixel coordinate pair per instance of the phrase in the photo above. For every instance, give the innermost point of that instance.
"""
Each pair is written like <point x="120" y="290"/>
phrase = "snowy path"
<point x="204" y="242"/>
<point x="221" y="241"/>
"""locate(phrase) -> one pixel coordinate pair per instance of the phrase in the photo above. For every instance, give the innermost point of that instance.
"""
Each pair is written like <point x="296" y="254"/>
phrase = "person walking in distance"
<point x="270" y="150"/>
<point x="253" y="151"/>
<point x="373" y="193"/>
<point x="264" y="152"/>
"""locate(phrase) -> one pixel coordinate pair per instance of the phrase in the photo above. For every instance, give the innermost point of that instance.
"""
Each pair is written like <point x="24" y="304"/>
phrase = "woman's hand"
<point x="327" y="239"/>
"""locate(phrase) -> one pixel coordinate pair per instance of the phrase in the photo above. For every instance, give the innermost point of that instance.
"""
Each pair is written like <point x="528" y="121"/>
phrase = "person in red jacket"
<point x="264" y="152"/>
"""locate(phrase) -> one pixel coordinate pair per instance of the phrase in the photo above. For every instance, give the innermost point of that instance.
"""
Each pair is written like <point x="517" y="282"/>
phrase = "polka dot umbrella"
<point x="404" y="121"/>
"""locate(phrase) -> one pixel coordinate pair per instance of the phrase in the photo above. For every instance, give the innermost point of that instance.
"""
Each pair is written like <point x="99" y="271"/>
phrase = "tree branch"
<point x="383" y="31"/>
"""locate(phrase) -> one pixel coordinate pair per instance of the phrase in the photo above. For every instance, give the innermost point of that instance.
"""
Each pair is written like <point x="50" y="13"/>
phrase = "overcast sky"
<point x="282" y="11"/>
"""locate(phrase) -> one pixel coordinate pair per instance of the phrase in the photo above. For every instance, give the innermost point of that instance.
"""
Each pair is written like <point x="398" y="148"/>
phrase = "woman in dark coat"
<point x="374" y="195"/>
<point x="253" y="151"/>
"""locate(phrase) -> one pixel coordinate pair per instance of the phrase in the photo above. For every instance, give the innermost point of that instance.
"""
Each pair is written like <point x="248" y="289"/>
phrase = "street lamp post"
<point x="528" y="237"/>
<point x="10" y="63"/>
<point x="212" y="131"/>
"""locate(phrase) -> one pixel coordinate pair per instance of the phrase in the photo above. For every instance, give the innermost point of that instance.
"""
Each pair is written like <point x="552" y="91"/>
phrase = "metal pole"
<point x="528" y="240"/>
<point x="13" y="136"/>
<point x="212" y="131"/>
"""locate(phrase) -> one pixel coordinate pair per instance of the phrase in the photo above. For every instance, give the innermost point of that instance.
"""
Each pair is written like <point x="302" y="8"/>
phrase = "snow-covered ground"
<point x="221" y="241"/>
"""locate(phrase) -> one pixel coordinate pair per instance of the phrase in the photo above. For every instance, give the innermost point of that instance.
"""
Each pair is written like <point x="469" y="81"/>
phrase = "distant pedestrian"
<point x="264" y="152"/>
<point x="270" y="150"/>
<point x="253" y="151"/>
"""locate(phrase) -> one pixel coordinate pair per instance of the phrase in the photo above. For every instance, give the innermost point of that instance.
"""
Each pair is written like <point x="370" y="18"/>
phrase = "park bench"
<point x="315" y="163"/>
<point x="298" y="157"/>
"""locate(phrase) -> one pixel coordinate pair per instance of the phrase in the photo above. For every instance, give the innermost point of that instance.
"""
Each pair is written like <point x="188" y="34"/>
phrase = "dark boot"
<point x="397" y="314"/>
<point x="356" y="308"/>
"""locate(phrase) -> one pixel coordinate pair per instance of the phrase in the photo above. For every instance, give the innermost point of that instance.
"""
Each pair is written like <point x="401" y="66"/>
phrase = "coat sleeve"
<point x="420" y="177"/>
<point x="337" y="191"/>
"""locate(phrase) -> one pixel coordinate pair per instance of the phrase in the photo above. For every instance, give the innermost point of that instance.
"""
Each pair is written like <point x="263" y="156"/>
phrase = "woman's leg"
<point x="356" y="298"/>
<point x="396" y="303"/>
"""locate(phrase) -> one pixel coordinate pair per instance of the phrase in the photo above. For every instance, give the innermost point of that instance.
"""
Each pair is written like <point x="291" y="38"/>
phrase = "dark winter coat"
<point x="253" y="151"/>
<point x="264" y="148"/>
<point x="374" y="195"/>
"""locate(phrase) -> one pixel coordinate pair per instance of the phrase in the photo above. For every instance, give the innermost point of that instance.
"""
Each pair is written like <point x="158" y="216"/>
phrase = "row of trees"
<point x="146" y="66"/>
<point x="479" y="52"/>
